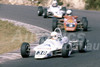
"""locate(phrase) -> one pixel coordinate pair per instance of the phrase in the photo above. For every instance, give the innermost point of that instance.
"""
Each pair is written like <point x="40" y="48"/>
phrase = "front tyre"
<point x="25" y="50"/>
<point x="85" y="23"/>
<point x="66" y="50"/>
<point x="40" y="11"/>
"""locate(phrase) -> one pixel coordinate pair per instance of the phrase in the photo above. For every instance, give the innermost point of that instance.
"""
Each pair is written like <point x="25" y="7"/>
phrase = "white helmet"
<point x="54" y="4"/>
<point x="54" y="1"/>
<point x="54" y="35"/>
<point x="69" y="12"/>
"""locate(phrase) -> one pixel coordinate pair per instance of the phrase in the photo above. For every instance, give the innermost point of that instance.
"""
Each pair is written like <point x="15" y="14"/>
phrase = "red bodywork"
<point x="70" y="23"/>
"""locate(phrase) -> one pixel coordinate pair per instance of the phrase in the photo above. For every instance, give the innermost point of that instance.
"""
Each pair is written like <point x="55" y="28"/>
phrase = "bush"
<point x="59" y="2"/>
<point x="93" y="4"/>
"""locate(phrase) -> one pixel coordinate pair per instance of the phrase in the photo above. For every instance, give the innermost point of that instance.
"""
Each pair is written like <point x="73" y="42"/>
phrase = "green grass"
<point x="12" y="36"/>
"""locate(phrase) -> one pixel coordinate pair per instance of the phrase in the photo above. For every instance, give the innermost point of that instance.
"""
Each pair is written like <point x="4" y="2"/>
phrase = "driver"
<point x="57" y="40"/>
<point x="54" y="4"/>
<point x="54" y="36"/>
<point x="57" y="37"/>
<point x="69" y="14"/>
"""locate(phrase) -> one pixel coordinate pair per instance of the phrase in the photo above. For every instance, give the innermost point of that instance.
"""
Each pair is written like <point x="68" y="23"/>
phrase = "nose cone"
<point x="70" y="27"/>
<point x="40" y="56"/>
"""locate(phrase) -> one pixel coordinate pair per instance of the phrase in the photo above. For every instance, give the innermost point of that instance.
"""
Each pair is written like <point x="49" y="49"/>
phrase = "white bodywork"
<point x="49" y="46"/>
<point x="56" y="11"/>
<point x="45" y="50"/>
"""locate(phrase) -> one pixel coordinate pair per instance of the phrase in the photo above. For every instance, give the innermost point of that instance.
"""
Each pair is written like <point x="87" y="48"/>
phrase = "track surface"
<point x="28" y="14"/>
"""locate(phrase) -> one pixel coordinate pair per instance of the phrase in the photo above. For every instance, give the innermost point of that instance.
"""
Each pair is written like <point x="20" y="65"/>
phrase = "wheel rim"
<point x="43" y="14"/>
<point x="70" y="51"/>
<point x="38" y="12"/>
<point x="85" y="47"/>
<point x="27" y="49"/>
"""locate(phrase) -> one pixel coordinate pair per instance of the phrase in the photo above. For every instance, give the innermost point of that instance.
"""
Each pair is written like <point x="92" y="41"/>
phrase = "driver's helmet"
<point x="69" y="12"/>
<point x="54" y="35"/>
<point x="54" y="4"/>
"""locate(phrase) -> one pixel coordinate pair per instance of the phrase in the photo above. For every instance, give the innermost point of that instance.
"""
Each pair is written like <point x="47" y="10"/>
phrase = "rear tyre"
<point x="45" y="13"/>
<point x="66" y="50"/>
<point x="42" y="39"/>
<point x="64" y="9"/>
<point x="82" y="45"/>
<point x="25" y="50"/>
<point x="40" y="11"/>
<point x="54" y="23"/>
<point x="85" y="23"/>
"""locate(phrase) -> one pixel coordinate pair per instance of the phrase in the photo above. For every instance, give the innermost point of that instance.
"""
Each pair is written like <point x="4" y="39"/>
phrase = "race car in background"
<point x="70" y="24"/>
<point x="49" y="48"/>
<point x="52" y="11"/>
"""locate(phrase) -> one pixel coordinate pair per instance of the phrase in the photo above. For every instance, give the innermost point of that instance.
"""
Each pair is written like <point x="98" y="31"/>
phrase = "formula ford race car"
<point x="53" y="11"/>
<point x="70" y="24"/>
<point x="49" y="48"/>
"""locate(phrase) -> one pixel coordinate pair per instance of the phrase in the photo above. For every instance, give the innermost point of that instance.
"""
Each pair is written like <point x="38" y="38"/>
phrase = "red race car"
<point x="70" y="23"/>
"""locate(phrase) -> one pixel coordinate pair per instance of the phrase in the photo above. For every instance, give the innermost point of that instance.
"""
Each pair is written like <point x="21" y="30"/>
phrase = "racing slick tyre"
<point x="45" y="13"/>
<point x="42" y="39"/>
<point x="66" y="50"/>
<point x="40" y="11"/>
<point x="85" y="23"/>
<point x="25" y="50"/>
<point x="82" y="45"/>
<point x="54" y="23"/>
<point x="64" y="9"/>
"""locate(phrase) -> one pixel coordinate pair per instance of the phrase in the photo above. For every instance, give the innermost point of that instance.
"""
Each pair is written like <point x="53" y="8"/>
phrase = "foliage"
<point x="60" y="2"/>
<point x="93" y="4"/>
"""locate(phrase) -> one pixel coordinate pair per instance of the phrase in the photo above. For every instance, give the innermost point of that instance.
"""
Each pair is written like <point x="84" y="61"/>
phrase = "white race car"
<point x="49" y="48"/>
<point x="52" y="11"/>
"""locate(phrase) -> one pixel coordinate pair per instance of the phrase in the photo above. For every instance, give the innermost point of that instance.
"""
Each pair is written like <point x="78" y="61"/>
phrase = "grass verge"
<point x="12" y="36"/>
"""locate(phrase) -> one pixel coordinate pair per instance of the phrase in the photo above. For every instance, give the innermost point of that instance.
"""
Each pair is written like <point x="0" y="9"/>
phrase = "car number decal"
<point x="41" y="52"/>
